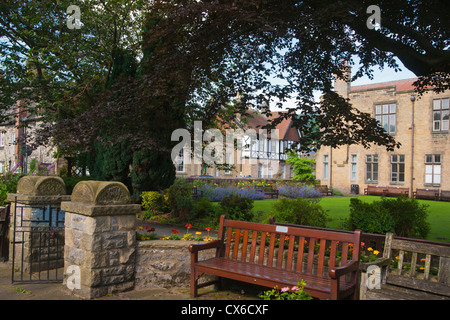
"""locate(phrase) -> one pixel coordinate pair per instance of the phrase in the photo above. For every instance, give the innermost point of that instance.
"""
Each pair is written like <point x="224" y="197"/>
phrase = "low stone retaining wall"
<point x="165" y="263"/>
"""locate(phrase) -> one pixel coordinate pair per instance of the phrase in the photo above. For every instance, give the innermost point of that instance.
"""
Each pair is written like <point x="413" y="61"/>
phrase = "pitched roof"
<point x="400" y="85"/>
<point x="285" y="129"/>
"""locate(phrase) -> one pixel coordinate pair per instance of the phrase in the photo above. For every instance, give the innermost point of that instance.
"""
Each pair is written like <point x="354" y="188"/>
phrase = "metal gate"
<point x="37" y="242"/>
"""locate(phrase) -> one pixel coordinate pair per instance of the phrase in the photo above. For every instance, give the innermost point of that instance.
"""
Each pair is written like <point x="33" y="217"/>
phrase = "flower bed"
<point x="294" y="191"/>
<point x="147" y="233"/>
<point x="216" y="193"/>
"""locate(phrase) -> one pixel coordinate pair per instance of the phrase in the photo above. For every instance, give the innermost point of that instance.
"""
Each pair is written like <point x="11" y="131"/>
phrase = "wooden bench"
<point x="397" y="191"/>
<point x="445" y="195"/>
<point x="269" y="191"/>
<point x="325" y="190"/>
<point x="417" y="271"/>
<point x="427" y="194"/>
<point x="375" y="190"/>
<point x="290" y="255"/>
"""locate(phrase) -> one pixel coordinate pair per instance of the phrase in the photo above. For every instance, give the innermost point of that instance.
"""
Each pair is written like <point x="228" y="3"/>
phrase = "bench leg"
<point x="194" y="285"/>
<point x="218" y="283"/>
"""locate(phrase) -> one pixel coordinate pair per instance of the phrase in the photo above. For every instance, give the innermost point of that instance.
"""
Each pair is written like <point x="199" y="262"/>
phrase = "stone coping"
<point x="33" y="199"/>
<point x="166" y="243"/>
<point x="91" y="210"/>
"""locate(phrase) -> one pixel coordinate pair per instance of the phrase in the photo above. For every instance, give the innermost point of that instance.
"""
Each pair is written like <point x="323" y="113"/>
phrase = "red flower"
<point x="174" y="231"/>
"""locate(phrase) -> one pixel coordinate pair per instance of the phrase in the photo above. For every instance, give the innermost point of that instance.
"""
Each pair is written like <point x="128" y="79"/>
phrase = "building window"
<point x="260" y="168"/>
<point x="325" y="167"/>
<point x="433" y="169"/>
<point x="385" y="114"/>
<point x="13" y="138"/>
<point x="180" y="161"/>
<point x="282" y="171"/>
<point x="372" y="168"/>
<point x="228" y="162"/>
<point x="2" y="167"/>
<point x="397" y="168"/>
<point x="2" y="139"/>
<point x="441" y="115"/>
<point x="354" y="166"/>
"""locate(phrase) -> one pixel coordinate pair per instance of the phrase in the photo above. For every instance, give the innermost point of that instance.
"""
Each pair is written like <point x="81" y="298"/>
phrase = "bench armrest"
<point x="382" y="262"/>
<point x="336" y="272"/>
<point x="196" y="247"/>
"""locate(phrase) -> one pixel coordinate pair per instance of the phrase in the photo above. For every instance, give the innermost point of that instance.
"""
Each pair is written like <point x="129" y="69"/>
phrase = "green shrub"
<point x="237" y="208"/>
<point x="403" y="216"/>
<point x="303" y="211"/>
<point x="8" y="184"/>
<point x="153" y="203"/>
<point x="177" y="190"/>
<point x="185" y="208"/>
<point x="203" y="207"/>
<point x="409" y="215"/>
<point x="370" y="217"/>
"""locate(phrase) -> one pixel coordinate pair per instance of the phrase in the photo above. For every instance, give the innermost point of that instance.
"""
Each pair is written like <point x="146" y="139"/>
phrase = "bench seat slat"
<point x="238" y="270"/>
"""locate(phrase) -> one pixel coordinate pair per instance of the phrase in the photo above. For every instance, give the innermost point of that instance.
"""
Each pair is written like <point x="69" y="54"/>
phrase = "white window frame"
<point x="228" y="162"/>
<point x="373" y="163"/>
<point x="398" y="163"/>
<point x="441" y="115"/>
<point x="354" y="168"/>
<point x="386" y="114"/>
<point x="326" y="167"/>
<point x="433" y="170"/>
<point x="180" y="161"/>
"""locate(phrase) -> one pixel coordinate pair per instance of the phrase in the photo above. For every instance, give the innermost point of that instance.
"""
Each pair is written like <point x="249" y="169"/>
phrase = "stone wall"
<point x="165" y="263"/>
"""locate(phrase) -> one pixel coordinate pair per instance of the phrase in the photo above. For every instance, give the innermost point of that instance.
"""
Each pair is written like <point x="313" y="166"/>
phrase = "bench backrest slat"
<point x="301" y="248"/>
<point x="244" y="245"/>
<point x="290" y="255"/>
<point x="320" y="262"/>
<point x="261" y="249"/>
<point x="288" y="247"/>
<point x="280" y="251"/>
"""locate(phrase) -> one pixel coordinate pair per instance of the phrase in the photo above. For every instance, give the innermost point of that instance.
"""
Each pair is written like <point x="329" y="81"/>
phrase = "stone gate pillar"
<point x="100" y="244"/>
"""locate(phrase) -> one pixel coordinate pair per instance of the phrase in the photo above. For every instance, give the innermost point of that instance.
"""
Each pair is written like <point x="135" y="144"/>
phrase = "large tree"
<point x="208" y="52"/>
<point x="200" y="55"/>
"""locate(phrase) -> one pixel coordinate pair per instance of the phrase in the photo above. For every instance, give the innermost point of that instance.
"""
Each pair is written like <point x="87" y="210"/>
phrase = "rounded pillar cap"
<point x="41" y="186"/>
<point x="101" y="193"/>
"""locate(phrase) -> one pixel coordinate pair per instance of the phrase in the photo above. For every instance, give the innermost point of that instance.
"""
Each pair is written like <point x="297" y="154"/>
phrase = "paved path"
<point x="56" y="291"/>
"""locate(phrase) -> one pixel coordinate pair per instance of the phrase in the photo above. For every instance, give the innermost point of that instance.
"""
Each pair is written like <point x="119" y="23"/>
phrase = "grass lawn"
<point x="339" y="209"/>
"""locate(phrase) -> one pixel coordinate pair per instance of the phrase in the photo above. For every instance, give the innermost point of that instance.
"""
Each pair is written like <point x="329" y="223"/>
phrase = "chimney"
<point x="342" y="86"/>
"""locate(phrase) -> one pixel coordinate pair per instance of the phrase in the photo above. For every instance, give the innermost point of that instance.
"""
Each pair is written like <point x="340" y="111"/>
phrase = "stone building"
<point x="258" y="155"/>
<point x="420" y="124"/>
<point x="16" y="152"/>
